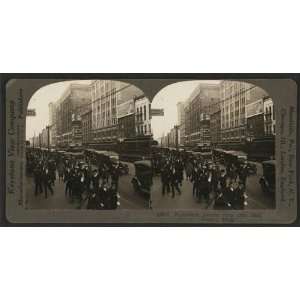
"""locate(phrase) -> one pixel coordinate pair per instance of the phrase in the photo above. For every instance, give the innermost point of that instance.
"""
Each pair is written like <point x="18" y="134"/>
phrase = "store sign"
<point x="31" y="113"/>
<point x="254" y="108"/>
<point x="157" y="112"/>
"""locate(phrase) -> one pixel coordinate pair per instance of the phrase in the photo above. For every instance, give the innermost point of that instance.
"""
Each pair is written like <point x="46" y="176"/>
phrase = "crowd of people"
<point x="91" y="185"/>
<point x="218" y="185"/>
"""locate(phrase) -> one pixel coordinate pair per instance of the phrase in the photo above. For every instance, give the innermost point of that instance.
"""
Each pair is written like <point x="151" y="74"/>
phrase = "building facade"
<point x="255" y="120"/>
<point x="197" y="114"/>
<point x="126" y="126"/>
<point x="142" y="116"/>
<point x="269" y="117"/>
<point x="171" y="139"/>
<point x="52" y="124"/>
<point x="112" y="101"/>
<point x="181" y="122"/>
<point x="68" y="114"/>
<point x="86" y="119"/>
<point x="215" y="122"/>
<point x="235" y="97"/>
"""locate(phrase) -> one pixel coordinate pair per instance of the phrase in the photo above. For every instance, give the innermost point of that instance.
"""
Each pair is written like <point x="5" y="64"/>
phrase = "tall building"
<point x="86" y="120"/>
<point x="112" y="101"/>
<point x="52" y="124"/>
<point x="67" y="114"/>
<point x="235" y="97"/>
<point x="197" y="115"/>
<point x="215" y="122"/>
<point x="181" y="121"/>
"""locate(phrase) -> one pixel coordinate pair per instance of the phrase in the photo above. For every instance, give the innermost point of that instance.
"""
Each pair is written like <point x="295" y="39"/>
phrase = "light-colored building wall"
<point x="143" y="116"/>
<point x="269" y="117"/>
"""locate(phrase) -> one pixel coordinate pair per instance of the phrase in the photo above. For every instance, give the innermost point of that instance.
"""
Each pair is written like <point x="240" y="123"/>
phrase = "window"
<point x="145" y="116"/>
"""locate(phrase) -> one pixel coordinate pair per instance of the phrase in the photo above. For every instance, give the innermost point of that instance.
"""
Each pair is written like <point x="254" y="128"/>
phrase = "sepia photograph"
<point x="88" y="146"/>
<point x="151" y="150"/>
<point x="216" y="146"/>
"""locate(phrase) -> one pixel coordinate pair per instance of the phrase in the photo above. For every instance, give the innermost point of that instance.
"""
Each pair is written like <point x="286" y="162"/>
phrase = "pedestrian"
<point x="195" y="180"/>
<point x="95" y="180"/>
<point x="230" y="195"/>
<point x="174" y="182"/>
<point x="46" y="179"/>
<point x="240" y="197"/>
<point x="165" y="180"/>
<point x="68" y="181"/>
<point x="38" y="179"/>
<point x="60" y="170"/>
<point x="243" y="174"/>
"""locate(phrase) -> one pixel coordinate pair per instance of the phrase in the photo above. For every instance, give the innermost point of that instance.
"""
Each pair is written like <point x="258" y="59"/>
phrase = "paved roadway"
<point x="256" y="198"/>
<point x="128" y="198"/>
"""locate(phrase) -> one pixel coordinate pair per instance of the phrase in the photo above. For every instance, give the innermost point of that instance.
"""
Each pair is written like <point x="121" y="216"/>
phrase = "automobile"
<point x="235" y="157"/>
<point x="267" y="181"/>
<point x="142" y="181"/>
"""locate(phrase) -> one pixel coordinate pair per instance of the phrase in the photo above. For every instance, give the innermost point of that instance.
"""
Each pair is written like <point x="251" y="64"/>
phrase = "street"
<point x="128" y="198"/>
<point x="256" y="198"/>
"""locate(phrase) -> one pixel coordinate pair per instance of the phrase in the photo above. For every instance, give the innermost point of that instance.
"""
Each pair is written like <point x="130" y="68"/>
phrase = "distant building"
<point x="85" y="113"/>
<point x="181" y="121"/>
<point x="52" y="124"/>
<point x="197" y="115"/>
<point x="44" y="138"/>
<point x="67" y="114"/>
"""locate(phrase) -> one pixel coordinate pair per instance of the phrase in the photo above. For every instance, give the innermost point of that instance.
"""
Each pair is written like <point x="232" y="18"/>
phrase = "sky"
<point x="167" y="99"/>
<point x="40" y="101"/>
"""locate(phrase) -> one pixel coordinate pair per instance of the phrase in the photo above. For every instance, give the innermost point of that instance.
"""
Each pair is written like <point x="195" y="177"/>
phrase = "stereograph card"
<point x="150" y="149"/>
